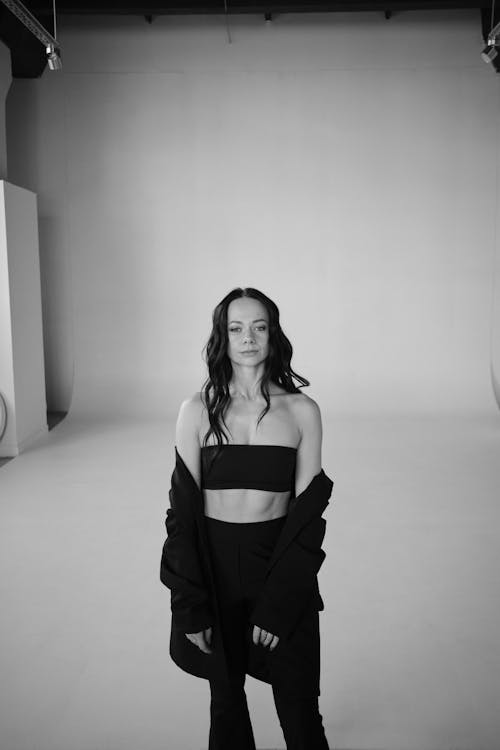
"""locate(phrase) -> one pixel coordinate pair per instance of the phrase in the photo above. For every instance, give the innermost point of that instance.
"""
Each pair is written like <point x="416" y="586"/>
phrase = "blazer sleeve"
<point x="291" y="582"/>
<point x="182" y="573"/>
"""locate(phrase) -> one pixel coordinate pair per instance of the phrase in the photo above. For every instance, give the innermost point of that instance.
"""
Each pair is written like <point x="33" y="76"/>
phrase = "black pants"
<point x="240" y="552"/>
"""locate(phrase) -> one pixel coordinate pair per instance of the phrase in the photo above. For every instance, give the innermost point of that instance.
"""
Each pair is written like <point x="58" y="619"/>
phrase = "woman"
<point x="244" y="529"/>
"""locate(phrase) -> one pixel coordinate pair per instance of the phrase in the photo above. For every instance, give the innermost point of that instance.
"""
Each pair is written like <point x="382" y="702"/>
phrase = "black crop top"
<point x="259" y="467"/>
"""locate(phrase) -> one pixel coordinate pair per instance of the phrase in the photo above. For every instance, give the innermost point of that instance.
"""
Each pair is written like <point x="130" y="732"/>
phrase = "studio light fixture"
<point x="53" y="57"/>
<point x="491" y="50"/>
<point x="50" y="42"/>
<point x="489" y="53"/>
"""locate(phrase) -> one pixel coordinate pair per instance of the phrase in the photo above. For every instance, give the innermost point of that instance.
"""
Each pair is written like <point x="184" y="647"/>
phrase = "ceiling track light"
<point x="489" y="53"/>
<point x="53" y="57"/>
<point x="493" y="42"/>
<point x="50" y="42"/>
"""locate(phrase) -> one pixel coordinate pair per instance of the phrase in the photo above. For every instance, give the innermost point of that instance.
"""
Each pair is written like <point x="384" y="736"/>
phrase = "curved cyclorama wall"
<point x="343" y="164"/>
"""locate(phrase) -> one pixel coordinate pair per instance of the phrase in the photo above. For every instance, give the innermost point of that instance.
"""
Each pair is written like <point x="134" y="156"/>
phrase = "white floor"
<point x="410" y="648"/>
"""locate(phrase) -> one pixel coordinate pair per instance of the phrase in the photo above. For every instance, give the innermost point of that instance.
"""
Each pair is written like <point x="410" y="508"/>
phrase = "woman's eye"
<point x="235" y="330"/>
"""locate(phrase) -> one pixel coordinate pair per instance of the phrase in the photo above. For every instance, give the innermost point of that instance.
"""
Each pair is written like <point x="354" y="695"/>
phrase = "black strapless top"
<point x="259" y="467"/>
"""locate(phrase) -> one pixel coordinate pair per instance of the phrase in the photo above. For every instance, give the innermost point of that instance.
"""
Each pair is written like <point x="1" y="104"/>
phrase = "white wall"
<point x="341" y="163"/>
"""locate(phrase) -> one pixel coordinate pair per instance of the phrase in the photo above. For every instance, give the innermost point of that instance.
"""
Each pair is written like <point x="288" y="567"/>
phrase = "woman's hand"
<point x="260" y="635"/>
<point x="202" y="640"/>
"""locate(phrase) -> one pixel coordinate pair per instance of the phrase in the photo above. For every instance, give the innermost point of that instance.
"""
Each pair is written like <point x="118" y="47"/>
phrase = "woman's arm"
<point x="308" y="418"/>
<point x="180" y="568"/>
<point x="187" y="435"/>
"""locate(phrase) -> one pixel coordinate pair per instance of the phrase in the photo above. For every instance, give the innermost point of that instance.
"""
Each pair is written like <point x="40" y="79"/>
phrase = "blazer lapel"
<point x="310" y="503"/>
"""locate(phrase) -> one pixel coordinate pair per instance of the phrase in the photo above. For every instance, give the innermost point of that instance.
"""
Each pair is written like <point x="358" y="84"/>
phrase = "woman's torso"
<point x="278" y="428"/>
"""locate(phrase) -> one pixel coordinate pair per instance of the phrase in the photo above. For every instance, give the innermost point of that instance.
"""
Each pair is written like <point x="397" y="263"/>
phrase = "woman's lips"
<point x="249" y="352"/>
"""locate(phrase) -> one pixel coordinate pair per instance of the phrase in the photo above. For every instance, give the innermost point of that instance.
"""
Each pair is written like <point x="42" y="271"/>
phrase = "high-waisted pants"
<point x="239" y="553"/>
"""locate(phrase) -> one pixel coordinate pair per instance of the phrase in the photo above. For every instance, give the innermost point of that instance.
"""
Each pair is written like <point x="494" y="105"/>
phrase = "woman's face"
<point x="247" y="331"/>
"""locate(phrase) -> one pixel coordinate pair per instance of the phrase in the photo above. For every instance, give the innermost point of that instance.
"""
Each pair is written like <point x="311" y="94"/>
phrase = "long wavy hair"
<point x="277" y="364"/>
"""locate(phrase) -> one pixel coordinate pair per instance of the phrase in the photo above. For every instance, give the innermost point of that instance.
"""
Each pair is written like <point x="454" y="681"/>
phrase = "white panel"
<point x="8" y="442"/>
<point x="27" y="403"/>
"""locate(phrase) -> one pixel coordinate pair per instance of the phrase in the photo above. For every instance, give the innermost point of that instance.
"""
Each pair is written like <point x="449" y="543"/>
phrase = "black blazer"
<point x="289" y="594"/>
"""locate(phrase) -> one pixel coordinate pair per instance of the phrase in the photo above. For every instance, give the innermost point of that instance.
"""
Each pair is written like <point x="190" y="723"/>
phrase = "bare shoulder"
<point x="193" y="403"/>
<point x="306" y="411"/>
<point x="190" y="411"/>
<point x="187" y="434"/>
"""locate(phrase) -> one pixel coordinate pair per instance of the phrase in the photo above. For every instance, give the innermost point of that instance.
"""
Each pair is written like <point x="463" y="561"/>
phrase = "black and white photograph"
<point x="249" y="375"/>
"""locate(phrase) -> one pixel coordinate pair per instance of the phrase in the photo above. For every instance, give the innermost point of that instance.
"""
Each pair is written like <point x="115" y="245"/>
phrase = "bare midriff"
<point x="278" y="427"/>
<point x="245" y="505"/>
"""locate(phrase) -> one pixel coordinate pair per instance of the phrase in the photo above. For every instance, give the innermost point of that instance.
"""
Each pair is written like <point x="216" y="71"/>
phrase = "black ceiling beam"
<point x="160" y="7"/>
<point x="27" y="53"/>
<point x="488" y="20"/>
